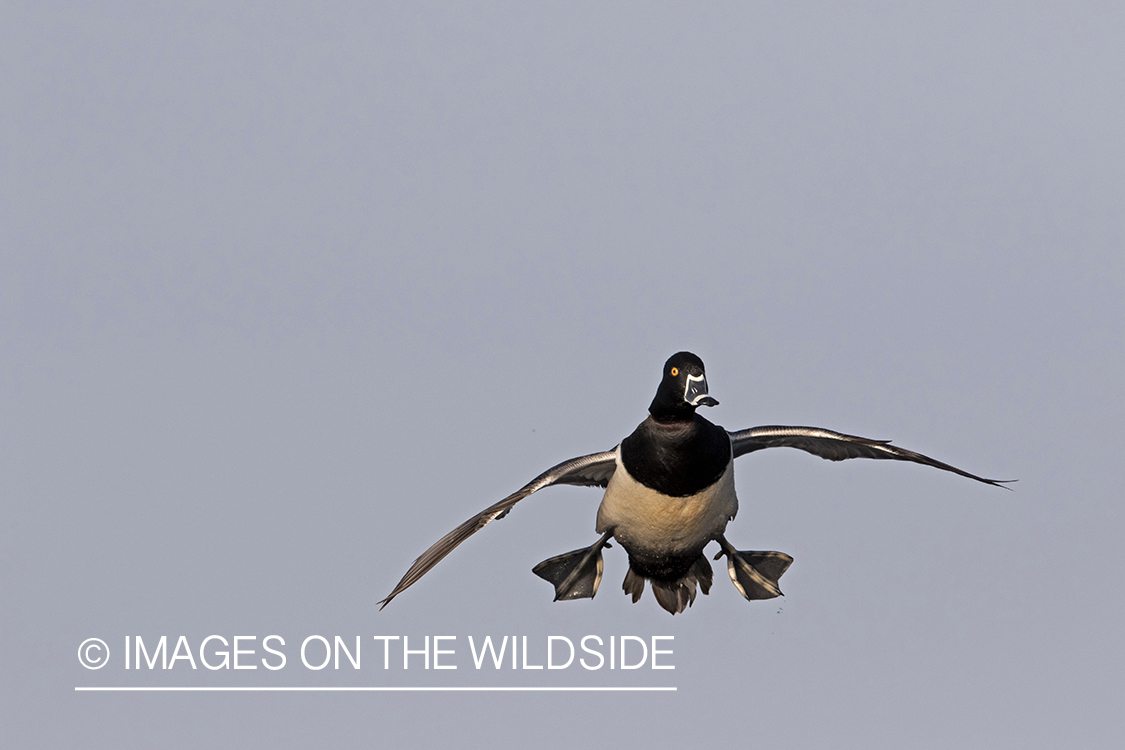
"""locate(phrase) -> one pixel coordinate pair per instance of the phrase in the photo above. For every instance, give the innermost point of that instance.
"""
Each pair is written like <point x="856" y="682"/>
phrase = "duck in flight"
<point x="669" y="492"/>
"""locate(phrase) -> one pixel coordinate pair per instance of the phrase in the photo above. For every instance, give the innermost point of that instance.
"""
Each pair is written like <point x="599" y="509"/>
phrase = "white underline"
<point x="371" y="689"/>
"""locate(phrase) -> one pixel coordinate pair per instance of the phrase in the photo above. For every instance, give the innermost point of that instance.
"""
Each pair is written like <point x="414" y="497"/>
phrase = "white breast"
<point x="643" y="519"/>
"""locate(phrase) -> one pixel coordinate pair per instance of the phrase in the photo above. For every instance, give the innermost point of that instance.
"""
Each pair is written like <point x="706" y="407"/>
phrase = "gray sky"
<point x="288" y="291"/>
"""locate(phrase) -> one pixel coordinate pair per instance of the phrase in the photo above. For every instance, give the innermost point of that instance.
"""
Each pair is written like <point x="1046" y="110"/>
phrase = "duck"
<point x="669" y="493"/>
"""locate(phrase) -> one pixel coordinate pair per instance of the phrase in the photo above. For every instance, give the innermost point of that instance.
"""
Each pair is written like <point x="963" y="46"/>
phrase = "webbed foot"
<point x="755" y="574"/>
<point x="576" y="574"/>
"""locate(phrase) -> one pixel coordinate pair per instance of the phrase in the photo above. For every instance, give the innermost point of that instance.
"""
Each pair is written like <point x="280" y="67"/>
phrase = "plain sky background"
<point x="288" y="290"/>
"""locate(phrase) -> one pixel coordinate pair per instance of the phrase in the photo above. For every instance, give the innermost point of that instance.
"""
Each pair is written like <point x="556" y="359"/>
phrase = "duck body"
<point x="671" y="494"/>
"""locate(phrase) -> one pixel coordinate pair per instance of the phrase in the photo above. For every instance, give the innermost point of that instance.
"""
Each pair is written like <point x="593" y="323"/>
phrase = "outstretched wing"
<point x="593" y="470"/>
<point x="836" y="446"/>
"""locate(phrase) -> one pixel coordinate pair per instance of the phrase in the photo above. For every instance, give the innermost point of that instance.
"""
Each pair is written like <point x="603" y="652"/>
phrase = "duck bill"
<point x="696" y="391"/>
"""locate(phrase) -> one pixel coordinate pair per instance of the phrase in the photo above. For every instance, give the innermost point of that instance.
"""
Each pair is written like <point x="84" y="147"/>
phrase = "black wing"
<point x="836" y="446"/>
<point x="586" y="471"/>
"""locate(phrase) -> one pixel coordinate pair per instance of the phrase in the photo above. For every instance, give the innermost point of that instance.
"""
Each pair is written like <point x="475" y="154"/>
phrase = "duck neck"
<point x="666" y="413"/>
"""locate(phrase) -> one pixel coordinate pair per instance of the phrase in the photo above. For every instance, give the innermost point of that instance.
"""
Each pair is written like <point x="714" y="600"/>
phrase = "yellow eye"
<point x="675" y="371"/>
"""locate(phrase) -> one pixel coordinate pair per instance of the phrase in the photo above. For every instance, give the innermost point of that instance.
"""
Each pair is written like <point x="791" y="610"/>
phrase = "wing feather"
<point x="593" y="470"/>
<point x="836" y="446"/>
